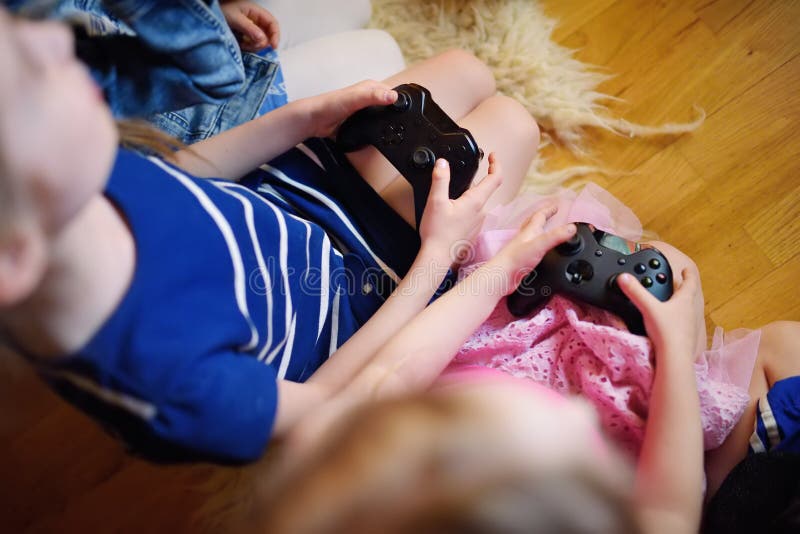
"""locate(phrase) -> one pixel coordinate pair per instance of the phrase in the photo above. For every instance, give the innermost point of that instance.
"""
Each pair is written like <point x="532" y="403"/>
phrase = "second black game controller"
<point x="586" y="268"/>
<point x="412" y="133"/>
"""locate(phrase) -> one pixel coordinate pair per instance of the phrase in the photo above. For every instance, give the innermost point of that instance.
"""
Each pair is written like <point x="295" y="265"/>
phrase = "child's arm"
<point x="235" y="152"/>
<point x="669" y="480"/>
<point x="444" y="223"/>
<point x="419" y="352"/>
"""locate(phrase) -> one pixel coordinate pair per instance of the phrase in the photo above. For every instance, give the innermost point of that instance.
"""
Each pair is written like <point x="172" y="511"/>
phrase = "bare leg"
<point x="458" y="82"/>
<point x="778" y="358"/>
<point x="499" y="124"/>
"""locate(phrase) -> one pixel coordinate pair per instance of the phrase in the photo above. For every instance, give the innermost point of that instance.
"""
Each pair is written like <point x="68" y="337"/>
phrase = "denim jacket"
<point x="174" y="62"/>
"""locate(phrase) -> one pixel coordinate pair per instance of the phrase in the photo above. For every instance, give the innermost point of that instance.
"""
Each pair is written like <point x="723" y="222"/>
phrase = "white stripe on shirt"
<point x="249" y="219"/>
<point x="287" y="354"/>
<point x="230" y="240"/>
<point x="335" y="208"/>
<point x="284" y="267"/>
<point x="334" y="323"/>
<point x="139" y="408"/>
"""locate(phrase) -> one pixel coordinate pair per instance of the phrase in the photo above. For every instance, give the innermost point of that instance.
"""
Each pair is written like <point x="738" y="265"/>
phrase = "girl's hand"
<point x="674" y="325"/>
<point x="524" y="252"/>
<point x="449" y="225"/>
<point x="329" y="110"/>
<point x="255" y="27"/>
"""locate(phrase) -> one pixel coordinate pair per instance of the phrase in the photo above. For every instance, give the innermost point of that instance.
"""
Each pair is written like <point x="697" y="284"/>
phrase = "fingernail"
<point x="389" y="96"/>
<point x="624" y="278"/>
<point x="441" y="163"/>
<point x="571" y="229"/>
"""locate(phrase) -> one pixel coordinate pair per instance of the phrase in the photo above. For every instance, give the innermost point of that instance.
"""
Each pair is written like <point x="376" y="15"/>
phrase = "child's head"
<point x="57" y="143"/>
<point x="457" y="460"/>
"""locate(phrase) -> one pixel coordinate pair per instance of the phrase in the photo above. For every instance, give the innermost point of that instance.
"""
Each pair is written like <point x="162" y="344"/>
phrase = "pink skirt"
<point x="577" y="349"/>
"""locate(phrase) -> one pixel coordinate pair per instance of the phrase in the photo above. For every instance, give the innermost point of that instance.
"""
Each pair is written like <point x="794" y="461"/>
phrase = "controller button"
<point x="447" y="149"/>
<point x="598" y="252"/>
<point x="661" y="278"/>
<point x="639" y="268"/>
<point x="654" y="263"/>
<point x="647" y="281"/>
<point x="622" y="261"/>
<point x="462" y="163"/>
<point x="572" y="246"/>
<point x="423" y="157"/>
<point x="402" y="103"/>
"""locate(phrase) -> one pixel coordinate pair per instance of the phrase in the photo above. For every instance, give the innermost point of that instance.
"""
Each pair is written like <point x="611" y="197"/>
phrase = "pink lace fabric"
<point x="574" y="348"/>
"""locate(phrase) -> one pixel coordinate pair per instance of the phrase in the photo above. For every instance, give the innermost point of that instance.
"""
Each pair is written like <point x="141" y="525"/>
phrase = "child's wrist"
<point x="435" y="254"/>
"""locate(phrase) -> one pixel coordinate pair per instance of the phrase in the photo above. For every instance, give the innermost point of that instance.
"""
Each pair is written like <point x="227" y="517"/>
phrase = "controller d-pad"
<point x="579" y="271"/>
<point x="393" y="134"/>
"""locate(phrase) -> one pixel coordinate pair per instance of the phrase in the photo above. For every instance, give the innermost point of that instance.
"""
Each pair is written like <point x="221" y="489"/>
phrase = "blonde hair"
<point x="429" y="464"/>
<point x="142" y="137"/>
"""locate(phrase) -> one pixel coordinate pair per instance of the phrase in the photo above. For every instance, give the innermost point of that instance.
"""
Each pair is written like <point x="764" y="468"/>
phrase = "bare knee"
<point x="779" y="350"/>
<point x="473" y="72"/>
<point x="518" y="123"/>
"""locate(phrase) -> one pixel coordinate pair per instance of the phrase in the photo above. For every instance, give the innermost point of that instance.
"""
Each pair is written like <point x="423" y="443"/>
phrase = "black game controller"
<point x="586" y="268"/>
<point x="412" y="133"/>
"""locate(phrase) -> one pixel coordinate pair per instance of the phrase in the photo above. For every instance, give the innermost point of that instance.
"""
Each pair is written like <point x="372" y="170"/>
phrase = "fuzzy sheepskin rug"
<point x="513" y="37"/>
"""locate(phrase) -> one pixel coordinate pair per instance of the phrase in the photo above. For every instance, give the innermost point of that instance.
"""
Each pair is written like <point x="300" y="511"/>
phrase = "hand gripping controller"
<point x="586" y="269"/>
<point x="412" y="133"/>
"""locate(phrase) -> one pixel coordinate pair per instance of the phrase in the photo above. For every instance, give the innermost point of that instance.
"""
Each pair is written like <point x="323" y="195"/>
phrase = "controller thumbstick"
<point x="613" y="285"/>
<point x="423" y="157"/>
<point x="402" y="103"/>
<point x="571" y="247"/>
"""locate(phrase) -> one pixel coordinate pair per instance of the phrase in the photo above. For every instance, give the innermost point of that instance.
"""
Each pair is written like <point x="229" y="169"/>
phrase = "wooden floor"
<point x="728" y="195"/>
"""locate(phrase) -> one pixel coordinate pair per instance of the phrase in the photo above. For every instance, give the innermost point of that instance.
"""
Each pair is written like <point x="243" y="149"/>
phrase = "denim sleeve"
<point x="151" y="57"/>
<point x="194" y="35"/>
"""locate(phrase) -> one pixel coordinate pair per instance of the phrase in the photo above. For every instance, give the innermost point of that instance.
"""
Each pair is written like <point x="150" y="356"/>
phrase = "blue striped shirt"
<point x="235" y="287"/>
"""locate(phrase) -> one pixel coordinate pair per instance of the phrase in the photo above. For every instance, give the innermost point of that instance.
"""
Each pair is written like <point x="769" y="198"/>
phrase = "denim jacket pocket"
<point x="201" y="121"/>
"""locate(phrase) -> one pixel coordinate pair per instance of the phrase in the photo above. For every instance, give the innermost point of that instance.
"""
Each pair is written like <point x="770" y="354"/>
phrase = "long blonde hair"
<point x="426" y="464"/>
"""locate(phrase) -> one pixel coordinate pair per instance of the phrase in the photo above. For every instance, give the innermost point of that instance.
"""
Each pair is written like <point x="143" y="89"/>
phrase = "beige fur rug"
<point x="513" y="37"/>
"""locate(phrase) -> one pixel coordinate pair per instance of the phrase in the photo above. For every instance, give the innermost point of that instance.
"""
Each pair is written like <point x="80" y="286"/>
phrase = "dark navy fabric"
<point x="233" y="289"/>
<point x="778" y="418"/>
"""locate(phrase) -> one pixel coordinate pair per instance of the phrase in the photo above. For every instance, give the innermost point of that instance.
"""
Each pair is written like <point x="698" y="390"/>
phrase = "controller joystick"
<point x="423" y="158"/>
<point x="586" y="268"/>
<point x="572" y="246"/>
<point x="412" y="133"/>
<point x="403" y="101"/>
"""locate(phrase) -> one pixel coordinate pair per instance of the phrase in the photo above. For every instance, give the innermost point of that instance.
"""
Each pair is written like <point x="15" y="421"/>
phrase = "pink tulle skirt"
<point x="578" y="349"/>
